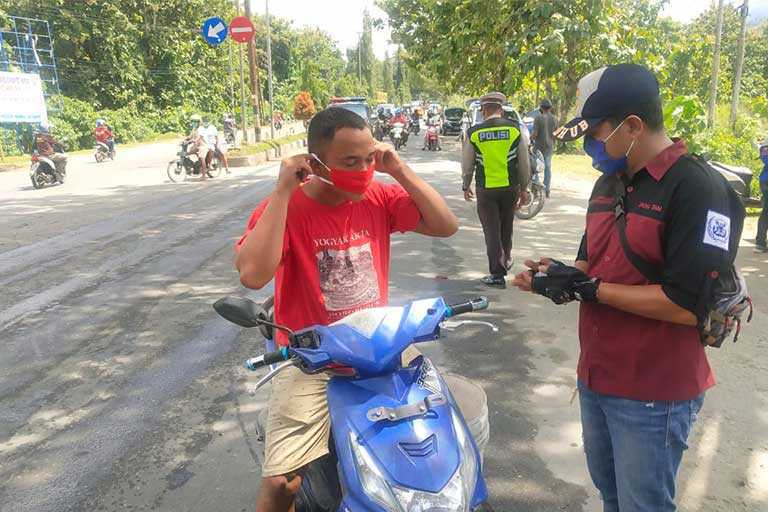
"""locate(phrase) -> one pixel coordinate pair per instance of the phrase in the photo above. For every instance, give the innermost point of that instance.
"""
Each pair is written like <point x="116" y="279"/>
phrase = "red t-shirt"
<point x="102" y="133"/>
<point x="336" y="258"/>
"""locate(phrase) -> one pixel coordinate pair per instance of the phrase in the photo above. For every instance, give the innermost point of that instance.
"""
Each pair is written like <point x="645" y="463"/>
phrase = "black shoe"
<point x="761" y="248"/>
<point x="497" y="281"/>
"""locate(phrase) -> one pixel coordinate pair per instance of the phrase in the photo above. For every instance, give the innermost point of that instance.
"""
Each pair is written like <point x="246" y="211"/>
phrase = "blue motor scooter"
<point x="399" y="442"/>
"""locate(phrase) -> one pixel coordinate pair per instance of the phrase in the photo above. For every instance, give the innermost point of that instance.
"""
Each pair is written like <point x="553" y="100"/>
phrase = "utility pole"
<point x="359" y="53"/>
<point x="739" y="63"/>
<point x="254" y="72"/>
<point x="231" y="80"/>
<point x="269" y="64"/>
<point x="715" y="67"/>
<point x="243" y="103"/>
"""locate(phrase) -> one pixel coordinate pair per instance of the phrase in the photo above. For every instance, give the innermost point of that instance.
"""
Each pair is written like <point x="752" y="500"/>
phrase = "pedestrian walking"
<point x="642" y="370"/>
<point x="495" y="153"/>
<point x="762" y="223"/>
<point x="543" y="139"/>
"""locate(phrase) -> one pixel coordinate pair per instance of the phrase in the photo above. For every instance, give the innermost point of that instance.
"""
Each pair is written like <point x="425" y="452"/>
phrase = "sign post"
<point x="214" y="31"/>
<point x="241" y="29"/>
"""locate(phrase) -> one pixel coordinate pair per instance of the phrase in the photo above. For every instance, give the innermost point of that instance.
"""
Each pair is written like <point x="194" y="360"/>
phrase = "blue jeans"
<point x="547" y="169"/>
<point x="634" y="448"/>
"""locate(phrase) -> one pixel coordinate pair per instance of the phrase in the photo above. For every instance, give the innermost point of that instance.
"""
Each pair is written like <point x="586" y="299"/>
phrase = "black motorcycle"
<point x="537" y="194"/>
<point x="189" y="164"/>
<point x="102" y="151"/>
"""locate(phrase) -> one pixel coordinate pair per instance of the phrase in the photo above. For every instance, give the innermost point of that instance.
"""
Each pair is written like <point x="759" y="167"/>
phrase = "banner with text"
<point x="21" y="98"/>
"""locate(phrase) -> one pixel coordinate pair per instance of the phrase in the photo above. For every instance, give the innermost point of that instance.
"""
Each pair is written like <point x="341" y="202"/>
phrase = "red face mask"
<point x="354" y="182"/>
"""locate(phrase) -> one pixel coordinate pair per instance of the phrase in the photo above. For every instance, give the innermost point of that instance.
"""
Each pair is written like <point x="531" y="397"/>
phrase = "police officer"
<point x="642" y="371"/>
<point x="495" y="152"/>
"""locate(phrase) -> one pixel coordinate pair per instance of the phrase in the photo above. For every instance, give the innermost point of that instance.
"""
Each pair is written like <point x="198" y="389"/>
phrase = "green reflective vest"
<point x="495" y="142"/>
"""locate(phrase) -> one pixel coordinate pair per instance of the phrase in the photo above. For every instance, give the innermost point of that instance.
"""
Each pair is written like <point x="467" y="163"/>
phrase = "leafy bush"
<point x="303" y="106"/>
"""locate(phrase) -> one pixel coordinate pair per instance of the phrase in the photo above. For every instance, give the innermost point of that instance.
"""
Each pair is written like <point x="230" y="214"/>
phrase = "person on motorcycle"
<point x="432" y="125"/>
<point x="399" y="117"/>
<point x="47" y="146"/>
<point x="324" y="236"/>
<point x="102" y="133"/>
<point x="209" y="136"/>
<point x="491" y="154"/>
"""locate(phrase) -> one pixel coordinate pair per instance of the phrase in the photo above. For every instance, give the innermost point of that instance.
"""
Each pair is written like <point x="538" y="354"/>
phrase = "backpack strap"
<point x="649" y="270"/>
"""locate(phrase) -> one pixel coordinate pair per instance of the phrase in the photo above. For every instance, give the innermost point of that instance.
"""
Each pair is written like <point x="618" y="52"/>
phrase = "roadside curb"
<point x="276" y="152"/>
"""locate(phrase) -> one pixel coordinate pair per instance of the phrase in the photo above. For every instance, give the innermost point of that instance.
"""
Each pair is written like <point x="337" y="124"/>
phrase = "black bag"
<point x="724" y="298"/>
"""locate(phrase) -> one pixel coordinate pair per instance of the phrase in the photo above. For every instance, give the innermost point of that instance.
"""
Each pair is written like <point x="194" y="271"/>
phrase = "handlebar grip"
<point x="477" y="304"/>
<point x="278" y="356"/>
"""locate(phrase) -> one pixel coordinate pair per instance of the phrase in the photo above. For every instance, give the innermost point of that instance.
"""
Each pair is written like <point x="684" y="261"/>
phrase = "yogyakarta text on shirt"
<point x="342" y="240"/>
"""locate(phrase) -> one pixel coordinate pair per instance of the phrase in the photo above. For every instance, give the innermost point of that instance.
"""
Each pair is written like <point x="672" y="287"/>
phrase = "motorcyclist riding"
<point x="104" y="134"/>
<point x="200" y="146"/>
<point x="46" y="146"/>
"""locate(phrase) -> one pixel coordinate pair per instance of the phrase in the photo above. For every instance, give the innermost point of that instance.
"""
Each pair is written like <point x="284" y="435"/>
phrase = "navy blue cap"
<point x="606" y="92"/>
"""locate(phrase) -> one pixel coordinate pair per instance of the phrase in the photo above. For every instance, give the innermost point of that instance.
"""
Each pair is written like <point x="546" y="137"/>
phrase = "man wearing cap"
<point x="490" y="154"/>
<point x="544" y="140"/>
<point x="642" y="369"/>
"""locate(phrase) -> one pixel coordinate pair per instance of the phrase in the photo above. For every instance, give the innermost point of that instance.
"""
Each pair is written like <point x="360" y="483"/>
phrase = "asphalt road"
<point x="120" y="389"/>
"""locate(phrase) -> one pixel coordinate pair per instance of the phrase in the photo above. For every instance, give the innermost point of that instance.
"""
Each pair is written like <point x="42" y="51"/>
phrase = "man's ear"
<point x="636" y="125"/>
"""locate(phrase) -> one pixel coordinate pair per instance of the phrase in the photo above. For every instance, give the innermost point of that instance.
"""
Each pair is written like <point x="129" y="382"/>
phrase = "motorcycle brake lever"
<point x="271" y="375"/>
<point x="452" y="325"/>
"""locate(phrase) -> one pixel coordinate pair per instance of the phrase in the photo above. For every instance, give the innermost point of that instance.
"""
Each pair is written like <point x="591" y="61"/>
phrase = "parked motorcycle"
<point x="398" y="439"/>
<point x="433" y="138"/>
<point x="537" y="195"/>
<point x="229" y="130"/>
<point x="398" y="135"/>
<point x="189" y="164"/>
<point x="102" y="152"/>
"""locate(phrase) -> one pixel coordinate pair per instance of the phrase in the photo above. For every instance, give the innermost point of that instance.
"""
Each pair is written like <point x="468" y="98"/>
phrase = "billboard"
<point x="21" y="98"/>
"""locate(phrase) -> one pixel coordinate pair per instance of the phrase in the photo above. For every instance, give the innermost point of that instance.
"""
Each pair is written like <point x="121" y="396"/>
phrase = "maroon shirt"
<point x="667" y="207"/>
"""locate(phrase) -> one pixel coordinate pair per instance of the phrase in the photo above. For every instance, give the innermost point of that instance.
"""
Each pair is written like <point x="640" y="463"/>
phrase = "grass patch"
<point x="266" y="145"/>
<point x="14" y="161"/>
<point x="574" y="166"/>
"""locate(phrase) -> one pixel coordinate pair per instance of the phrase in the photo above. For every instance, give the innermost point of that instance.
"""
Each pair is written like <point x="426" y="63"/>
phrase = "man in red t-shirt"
<point x="104" y="134"/>
<point x="324" y="236"/>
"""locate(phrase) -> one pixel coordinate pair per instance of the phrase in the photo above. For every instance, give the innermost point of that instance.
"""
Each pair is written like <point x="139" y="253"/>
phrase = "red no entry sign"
<point x="241" y="29"/>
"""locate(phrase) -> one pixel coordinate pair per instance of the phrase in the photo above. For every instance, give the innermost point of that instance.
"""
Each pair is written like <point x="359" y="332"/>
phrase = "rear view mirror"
<point x="239" y="310"/>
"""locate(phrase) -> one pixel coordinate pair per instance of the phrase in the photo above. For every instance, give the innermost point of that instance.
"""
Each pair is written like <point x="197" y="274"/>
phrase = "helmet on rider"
<point x="45" y="128"/>
<point x="100" y="122"/>
<point x="195" y="120"/>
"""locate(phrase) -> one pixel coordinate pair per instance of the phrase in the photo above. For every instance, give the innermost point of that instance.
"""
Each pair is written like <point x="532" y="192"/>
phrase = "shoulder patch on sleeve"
<point x="718" y="231"/>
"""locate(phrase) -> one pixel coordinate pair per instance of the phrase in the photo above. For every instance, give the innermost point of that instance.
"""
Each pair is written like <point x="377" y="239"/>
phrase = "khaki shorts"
<point x="298" y="424"/>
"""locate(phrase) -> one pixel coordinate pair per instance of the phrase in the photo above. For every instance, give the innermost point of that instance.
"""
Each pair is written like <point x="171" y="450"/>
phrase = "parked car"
<point x="452" y="122"/>
<point x="356" y="104"/>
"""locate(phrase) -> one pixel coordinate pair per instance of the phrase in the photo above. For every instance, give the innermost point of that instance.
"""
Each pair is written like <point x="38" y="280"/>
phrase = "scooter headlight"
<point x="456" y="496"/>
<point x="374" y="484"/>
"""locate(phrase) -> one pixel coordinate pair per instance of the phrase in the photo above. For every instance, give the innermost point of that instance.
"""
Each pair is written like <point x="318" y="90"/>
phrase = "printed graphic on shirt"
<point x="718" y="230"/>
<point x="347" y="278"/>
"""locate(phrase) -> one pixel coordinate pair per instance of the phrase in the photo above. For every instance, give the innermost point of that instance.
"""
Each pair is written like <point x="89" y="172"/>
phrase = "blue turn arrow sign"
<point x="214" y="30"/>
